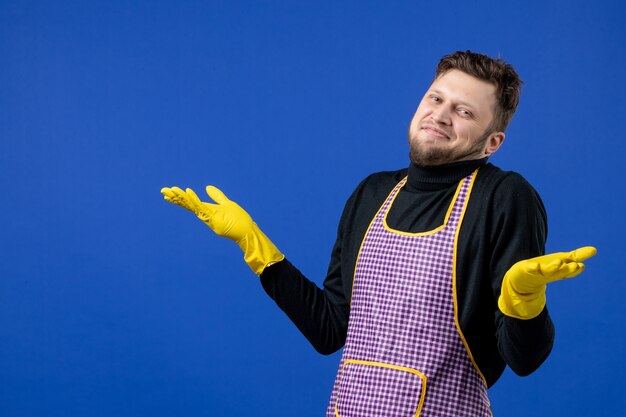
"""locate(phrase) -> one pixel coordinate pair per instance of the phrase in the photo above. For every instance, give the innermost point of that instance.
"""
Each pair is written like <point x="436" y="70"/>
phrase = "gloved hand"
<point x="523" y="294"/>
<point x="228" y="219"/>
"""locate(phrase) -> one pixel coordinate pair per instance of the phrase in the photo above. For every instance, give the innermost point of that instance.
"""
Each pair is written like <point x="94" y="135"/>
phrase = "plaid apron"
<point x="404" y="354"/>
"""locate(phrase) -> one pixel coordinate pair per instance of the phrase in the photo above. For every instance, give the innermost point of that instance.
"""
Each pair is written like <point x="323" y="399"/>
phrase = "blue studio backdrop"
<point x="115" y="303"/>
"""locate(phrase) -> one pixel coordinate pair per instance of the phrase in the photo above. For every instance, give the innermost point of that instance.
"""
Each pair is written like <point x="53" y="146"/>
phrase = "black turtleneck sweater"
<point x="504" y="222"/>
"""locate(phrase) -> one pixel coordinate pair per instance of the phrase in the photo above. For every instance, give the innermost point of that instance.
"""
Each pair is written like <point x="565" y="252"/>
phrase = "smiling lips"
<point x="433" y="131"/>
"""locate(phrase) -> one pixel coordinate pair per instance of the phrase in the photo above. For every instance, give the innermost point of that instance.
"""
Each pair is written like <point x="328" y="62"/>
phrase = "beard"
<point x="433" y="156"/>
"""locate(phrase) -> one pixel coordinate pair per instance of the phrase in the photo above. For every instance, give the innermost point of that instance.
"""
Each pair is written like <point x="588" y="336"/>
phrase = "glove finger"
<point x="169" y="196"/>
<point x="566" y="270"/>
<point x="203" y="210"/>
<point x="178" y="193"/>
<point x="167" y="192"/>
<point x="216" y="194"/>
<point x="578" y="269"/>
<point x="177" y="196"/>
<point x="582" y="254"/>
<point x="550" y="268"/>
<point x="192" y="197"/>
<point x="174" y="194"/>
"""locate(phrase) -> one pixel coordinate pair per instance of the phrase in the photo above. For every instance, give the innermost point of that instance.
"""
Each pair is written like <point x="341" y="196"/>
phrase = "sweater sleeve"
<point x="520" y="233"/>
<point x="321" y="314"/>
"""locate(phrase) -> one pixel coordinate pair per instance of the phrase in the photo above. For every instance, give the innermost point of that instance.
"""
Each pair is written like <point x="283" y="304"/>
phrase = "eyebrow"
<point x="463" y="103"/>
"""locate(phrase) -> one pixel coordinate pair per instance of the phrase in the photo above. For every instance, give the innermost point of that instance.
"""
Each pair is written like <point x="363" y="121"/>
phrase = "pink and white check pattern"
<point x="402" y="315"/>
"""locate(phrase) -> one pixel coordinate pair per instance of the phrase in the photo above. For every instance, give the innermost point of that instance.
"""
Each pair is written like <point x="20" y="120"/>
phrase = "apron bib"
<point x="404" y="354"/>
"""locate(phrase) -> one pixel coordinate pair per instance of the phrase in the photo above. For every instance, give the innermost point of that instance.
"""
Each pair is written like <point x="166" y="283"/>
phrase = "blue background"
<point x="113" y="302"/>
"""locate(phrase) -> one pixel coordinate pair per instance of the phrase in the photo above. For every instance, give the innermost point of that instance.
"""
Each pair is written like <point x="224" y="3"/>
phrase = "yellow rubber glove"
<point x="228" y="219"/>
<point x="523" y="294"/>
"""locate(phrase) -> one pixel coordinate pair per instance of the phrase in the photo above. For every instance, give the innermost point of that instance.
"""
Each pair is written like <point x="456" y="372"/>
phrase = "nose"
<point x="441" y="115"/>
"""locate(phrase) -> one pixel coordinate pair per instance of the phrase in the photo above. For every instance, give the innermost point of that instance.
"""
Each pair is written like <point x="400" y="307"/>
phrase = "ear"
<point x="493" y="142"/>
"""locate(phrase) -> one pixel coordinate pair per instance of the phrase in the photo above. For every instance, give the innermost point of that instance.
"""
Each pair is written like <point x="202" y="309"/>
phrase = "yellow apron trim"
<point x="395" y="189"/>
<point x="429" y="232"/>
<point x="454" y="259"/>
<point x="454" y="255"/>
<point x="400" y="183"/>
<point x="388" y="366"/>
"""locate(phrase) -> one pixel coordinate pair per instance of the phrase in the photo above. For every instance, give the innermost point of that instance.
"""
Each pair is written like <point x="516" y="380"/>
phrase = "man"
<point x="436" y="280"/>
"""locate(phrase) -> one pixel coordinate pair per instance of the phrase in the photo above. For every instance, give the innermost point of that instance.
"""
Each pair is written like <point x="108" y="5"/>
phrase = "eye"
<point x="464" y="113"/>
<point x="435" y="99"/>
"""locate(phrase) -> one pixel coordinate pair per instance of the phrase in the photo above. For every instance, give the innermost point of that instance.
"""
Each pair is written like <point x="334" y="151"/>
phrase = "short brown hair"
<point x="494" y="70"/>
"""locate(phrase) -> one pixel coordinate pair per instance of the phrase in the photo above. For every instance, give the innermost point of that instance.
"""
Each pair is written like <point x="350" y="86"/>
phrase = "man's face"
<point x="451" y="121"/>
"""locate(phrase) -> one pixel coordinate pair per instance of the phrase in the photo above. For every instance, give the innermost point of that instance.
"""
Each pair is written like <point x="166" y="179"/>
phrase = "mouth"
<point x="433" y="131"/>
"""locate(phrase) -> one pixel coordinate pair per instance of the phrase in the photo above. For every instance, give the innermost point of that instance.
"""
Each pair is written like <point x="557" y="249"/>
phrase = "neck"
<point x="440" y="176"/>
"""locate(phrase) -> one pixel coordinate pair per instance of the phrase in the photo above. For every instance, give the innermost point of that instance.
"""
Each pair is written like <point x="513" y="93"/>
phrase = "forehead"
<point x="459" y="86"/>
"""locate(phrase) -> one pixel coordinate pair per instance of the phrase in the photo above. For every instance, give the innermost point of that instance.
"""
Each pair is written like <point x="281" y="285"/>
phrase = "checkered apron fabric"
<point x="404" y="356"/>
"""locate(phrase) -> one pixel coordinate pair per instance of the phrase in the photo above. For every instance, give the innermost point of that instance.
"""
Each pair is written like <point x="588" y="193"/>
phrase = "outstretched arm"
<point x="320" y="314"/>
<point x="226" y="218"/>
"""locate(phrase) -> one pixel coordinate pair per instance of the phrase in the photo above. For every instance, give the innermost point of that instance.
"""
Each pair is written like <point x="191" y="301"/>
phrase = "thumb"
<point x="216" y="194"/>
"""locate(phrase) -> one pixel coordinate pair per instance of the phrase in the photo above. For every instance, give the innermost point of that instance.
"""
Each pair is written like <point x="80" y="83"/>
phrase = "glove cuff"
<point x="258" y="250"/>
<point x="521" y="306"/>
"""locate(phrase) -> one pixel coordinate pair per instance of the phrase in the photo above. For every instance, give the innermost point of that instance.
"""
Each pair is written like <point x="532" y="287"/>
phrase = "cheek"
<point x="466" y="131"/>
